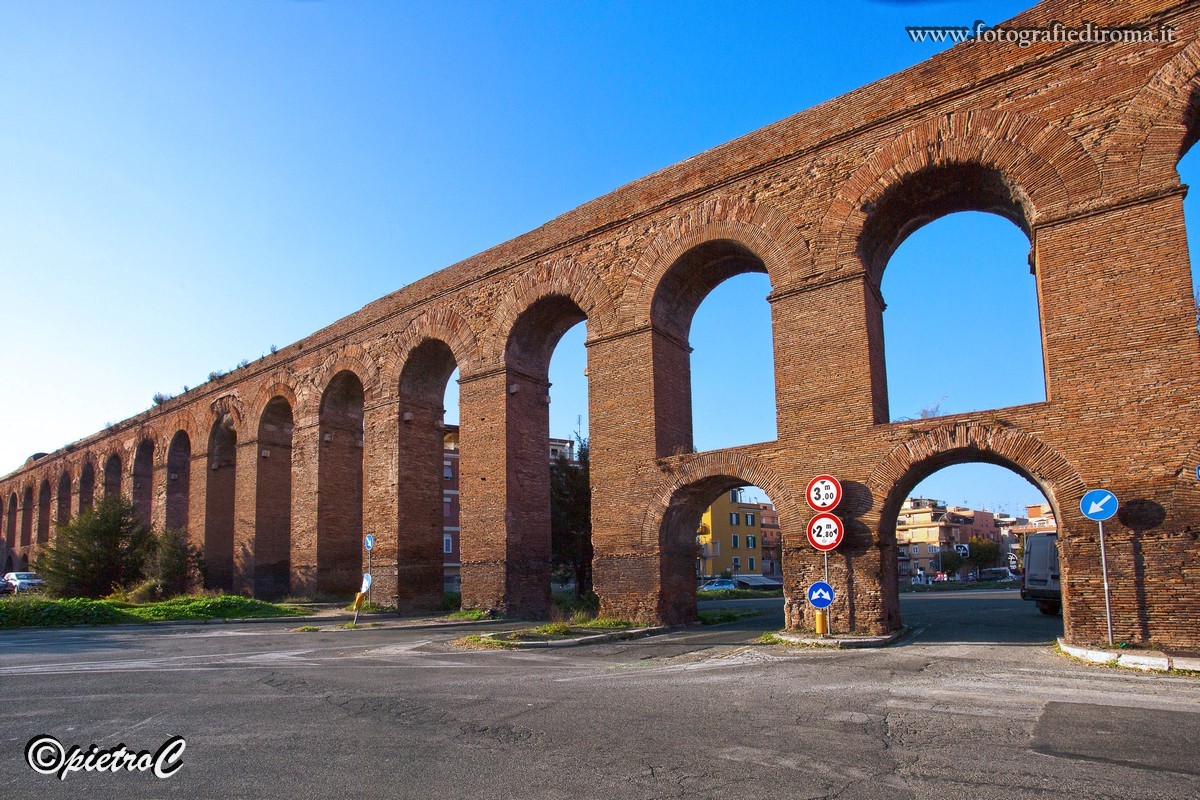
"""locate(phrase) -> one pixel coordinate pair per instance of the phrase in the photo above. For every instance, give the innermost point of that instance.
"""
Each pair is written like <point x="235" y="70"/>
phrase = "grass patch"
<point x="25" y="611"/>
<point x="719" y="616"/>
<point x="476" y="642"/>
<point x="738" y="594"/>
<point x="470" y="614"/>
<point x="604" y="623"/>
<point x="306" y="629"/>
<point x="372" y="608"/>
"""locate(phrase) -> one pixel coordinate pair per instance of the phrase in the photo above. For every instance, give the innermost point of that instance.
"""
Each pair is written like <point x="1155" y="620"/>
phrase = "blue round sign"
<point x="369" y="542"/>
<point x="820" y="595"/>
<point x="1098" y="504"/>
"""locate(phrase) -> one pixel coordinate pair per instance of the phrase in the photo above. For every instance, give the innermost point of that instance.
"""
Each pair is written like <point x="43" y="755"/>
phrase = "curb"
<point x="628" y="633"/>
<point x="420" y="622"/>
<point x="845" y="642"/>
<point x="1149" y="660"/>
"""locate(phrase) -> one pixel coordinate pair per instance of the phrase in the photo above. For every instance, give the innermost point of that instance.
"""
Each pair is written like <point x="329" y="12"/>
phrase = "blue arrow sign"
<point x="369" y="542"/>
<point x="1098" y="504"/>
<point x="820" y="595"/>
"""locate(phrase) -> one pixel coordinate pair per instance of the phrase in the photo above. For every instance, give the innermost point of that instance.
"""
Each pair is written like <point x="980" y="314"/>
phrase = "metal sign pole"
<point x="370" y="571"/>
<point x="827" y="566"/>
<point x="1104" y="571"/>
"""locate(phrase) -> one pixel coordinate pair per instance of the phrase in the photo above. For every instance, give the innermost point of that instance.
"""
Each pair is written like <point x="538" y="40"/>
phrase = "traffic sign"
<point x="366" y="584"/>
<point x="963" y="550"/>
<point x="369" y="541"/>
<point x="825" y="532"/>
<point x="1098" y="504"/>
<point x="820" y="595"/>
<point x="824" y="492"/>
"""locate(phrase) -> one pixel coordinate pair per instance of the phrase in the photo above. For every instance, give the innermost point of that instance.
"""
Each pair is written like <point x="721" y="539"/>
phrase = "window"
<point x="751" y="543"/>
<point x="734" y="518"/>
<point x="447" y="470"/>
<point x="447" y="543"/>
<point x="737" y="563"/>
<point x="916" y="550"/>
<point x="932" y="549"/>
<point x="446" y="508"/>
<point x="733" y="495"/>
<point x="735" y="541"/>
<point x="750" y="520"/>
<point x="750" y="563"/>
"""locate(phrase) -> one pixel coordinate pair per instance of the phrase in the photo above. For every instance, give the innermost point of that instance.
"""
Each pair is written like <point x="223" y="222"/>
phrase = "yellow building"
<point x="730" y="537"/>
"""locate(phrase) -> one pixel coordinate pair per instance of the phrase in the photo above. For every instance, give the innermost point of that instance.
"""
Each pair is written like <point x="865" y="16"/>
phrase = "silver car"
<point x="24" y="581"/>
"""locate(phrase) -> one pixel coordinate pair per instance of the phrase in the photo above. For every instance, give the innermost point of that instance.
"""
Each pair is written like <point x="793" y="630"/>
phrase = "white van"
<point x="1041" y="583"/>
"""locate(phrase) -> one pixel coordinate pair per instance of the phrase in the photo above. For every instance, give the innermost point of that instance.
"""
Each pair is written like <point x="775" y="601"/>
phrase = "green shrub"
<point x="451" y="601"/>
<point x="104" y="548"/>
<point x="177" y="564"/>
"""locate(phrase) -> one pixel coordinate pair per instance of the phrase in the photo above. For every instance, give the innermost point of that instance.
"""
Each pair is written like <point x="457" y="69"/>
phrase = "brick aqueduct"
<point x="279" y="467"/>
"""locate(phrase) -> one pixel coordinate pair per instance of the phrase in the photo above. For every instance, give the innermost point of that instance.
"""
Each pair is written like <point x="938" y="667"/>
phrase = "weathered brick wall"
<point x="1076" y="145"/>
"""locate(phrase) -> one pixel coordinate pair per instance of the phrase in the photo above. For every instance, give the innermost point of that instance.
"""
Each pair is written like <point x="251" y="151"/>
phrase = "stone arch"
<point x="441" y="324"/>
<point x="279" y="384"/>
<point x="930" y="450"/>
<point x="63" y="496"/>
<point x="143" y="476"/>
<point x="1015" y="165"/>
<point x="926" y="452"/>
<point x="1160" y="123"/>
<point x="227" y="411"/>
<point x="744" y="467"/>
<point x="340" y="478"/>
<point x="179" y="477"/>
<point x="673" y="516"/>
<point x="113" y="474"/>
<point x="766" y="232"/>
<point x="563" y="277"/>
<point x="43" y="511"/>
<point x="352" y="358"/>
<point x="273" y="496"/>
<point x="87" y="483"/>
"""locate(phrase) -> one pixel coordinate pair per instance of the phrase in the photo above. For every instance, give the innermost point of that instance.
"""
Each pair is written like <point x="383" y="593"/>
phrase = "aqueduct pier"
<point x="277" y="468"/>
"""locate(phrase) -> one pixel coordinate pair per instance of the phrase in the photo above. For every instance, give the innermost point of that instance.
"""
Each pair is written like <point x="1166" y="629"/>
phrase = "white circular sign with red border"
<point x="825" y="532"/>
<point x="824" y="492"/>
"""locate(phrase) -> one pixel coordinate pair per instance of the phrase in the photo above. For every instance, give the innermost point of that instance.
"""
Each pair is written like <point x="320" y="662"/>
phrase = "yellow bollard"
<point x="821" y="621"/>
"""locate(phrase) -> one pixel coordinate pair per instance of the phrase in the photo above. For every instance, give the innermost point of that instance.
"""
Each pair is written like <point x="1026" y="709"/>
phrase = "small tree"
<point x="104" y="548"/>
<point x="951" y="561"/>
<point x="571" y="518"/>
<point x="177" y="565"/>
<point x="984" y="553"/>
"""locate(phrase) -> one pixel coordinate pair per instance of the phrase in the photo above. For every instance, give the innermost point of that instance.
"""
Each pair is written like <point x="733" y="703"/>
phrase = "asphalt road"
<point x="975" y="703"/>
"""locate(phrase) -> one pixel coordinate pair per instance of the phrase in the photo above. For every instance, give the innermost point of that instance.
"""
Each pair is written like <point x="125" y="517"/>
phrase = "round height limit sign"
<point x="825" y="530"/>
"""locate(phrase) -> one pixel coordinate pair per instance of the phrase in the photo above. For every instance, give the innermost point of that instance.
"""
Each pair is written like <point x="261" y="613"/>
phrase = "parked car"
<point x="24" y="581"/>
<point x="6" y="587"/>
<point x="717" y="584"/>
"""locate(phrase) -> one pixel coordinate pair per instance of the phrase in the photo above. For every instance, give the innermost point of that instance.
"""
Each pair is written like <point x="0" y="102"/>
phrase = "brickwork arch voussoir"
<point x="562" y="277"/>
<point x="1143" y="151"/>
<point x="740" y="465"/>
<point x="765" y="231"/>
<point x="910" y="462"/>
<point x="1044" y="165"/>
<point x="441" y="323"/>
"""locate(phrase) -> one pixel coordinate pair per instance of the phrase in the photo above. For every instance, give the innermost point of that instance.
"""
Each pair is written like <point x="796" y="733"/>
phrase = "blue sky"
<point x="187" y="183"/>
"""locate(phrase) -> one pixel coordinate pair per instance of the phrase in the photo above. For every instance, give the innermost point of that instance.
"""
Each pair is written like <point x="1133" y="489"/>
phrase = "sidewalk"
<point x="1135" y="659"/>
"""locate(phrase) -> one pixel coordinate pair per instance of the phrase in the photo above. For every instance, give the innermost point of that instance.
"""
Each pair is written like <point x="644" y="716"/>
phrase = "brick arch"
<point x="562" y="277"/>
<point x="228" y="404"/>
<point x="442" y="323"/>
<point x="347" y="358"/>
<point x="912" y="461"/>
<point x="1158" y="126"/>
<point x="740" y="466"/>
<point x="182" y="420"/>
<point x="1048" y="172"/>
<point x="278" y="384"/>
<point x="762" y="229"/>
